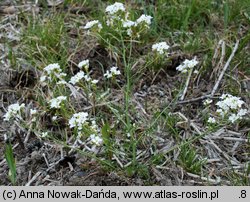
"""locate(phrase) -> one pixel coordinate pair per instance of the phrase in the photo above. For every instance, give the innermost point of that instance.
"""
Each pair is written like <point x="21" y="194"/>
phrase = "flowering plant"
<point x="118" y="24"/>
<point x="229" y="109"/>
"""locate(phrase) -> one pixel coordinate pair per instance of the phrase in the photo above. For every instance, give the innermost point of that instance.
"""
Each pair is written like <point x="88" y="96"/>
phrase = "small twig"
<point x="213" y="160"/>
<point x="118" y="161"/>
<point x="220" y="63"/>
<point x="223" y="53"/>
<point x="216" y="52"/>
<point x="230" y="139"/>
<point x="207" y="179"/>
<point x="33" y="178"/>
<point x="186" y="85"/>
<point x="46" y="161"/>
<point x="139" y="156"/>
<point x="225" y="68"/>
<point x="194" y="99"/>
<point x="70" y="167"/>
<point x="218" y="81"/>
<point x="29" y="176"/>
<point x="192" y="124"/>
<point x="27" y="136"/>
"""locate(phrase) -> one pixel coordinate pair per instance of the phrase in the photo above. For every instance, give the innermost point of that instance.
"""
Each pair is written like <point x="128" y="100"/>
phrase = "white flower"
<point x="229" y="102"/>
<point x="112" y="72"/>
<point x="223" y="96"/>
<point x="54" y="118"/>
<point x="114" y="8"/>
<point x="94" y="126"/>
<point x="207" y="102"/>
<point x="196" y="71"/>
<point x="43" y="78"/>
<point x="55" y="102"/>
<point x="107" y="74"/>
<point x="161" y="47"/>
<point x="33" y="111"/>
<point x="233" y="118"/>
<point x="93" y="23"/>
<point x="233" y="102"/>
<point x="128" y="23"/>
<point x="221" y="112"/>
<point x="109" y="22"/>
<point x="87" y="78"/>
<point x="95" y="139"/>
<point x="242" y="112"/>
<point x="13" y="111"/>
<point x="115" y="71"/>
<point x="190" y="63"/>
<point x="144" y="19"/>
<point x="84" y="63"/>
<point x="181" y="68"/>
<point x="231" y="107"/>
<point x="186" y="65"/>
<point x="129" y="32"/>
<point x="223" y="105"/>
<point x="78" y="120"/>
<point x="61" y="75"/>
<point x="95" y="81"/>
<point x="44" y="134"/>
<point x="53" y="68"/>
<point x="62" y="82"/>
<point x="211" y="120"/>
<point x="75" y="79"/>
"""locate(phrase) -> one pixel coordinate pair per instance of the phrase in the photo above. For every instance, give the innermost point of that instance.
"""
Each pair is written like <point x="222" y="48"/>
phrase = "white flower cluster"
<point x="33" y="113"/>
<point x="128" y="24"/>
<point x="187" y="65"/>
<point x="114" y="8"/>
<point x="14" y="111"/>
<point x="76" y="78"/>
<point x="84" y="63"/>
<point x="96" y="139"/>
<point x="230" y="107"/>
<point x="211" y="120"/>
<point x="78" y="120"/>
<point x="44" y="134"/>
<point x="207" y="102"/>
<point x="56" y="102"/>
<point x="160" y="48"/>
<point x="53" y="70"/>
<point x="117" y="15"/>
<point x="144" y="19"/>
<point x="112" y="72"/>
<point x="81" y="75"/>
<point x="93" y="23"/>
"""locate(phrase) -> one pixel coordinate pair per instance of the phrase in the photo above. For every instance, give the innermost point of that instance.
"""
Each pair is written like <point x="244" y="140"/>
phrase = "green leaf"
<point x="9" y="156"/>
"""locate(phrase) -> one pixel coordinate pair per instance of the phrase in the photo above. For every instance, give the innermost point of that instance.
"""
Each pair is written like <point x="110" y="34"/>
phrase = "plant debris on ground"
<point x="124" y="93"/>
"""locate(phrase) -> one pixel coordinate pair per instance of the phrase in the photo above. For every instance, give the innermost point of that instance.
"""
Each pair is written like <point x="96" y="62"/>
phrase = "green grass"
<point x="45" y="40"/>
<point x="9" y="156"/>
<point x="193" y="26"/>
<point x="190" y="160"/>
